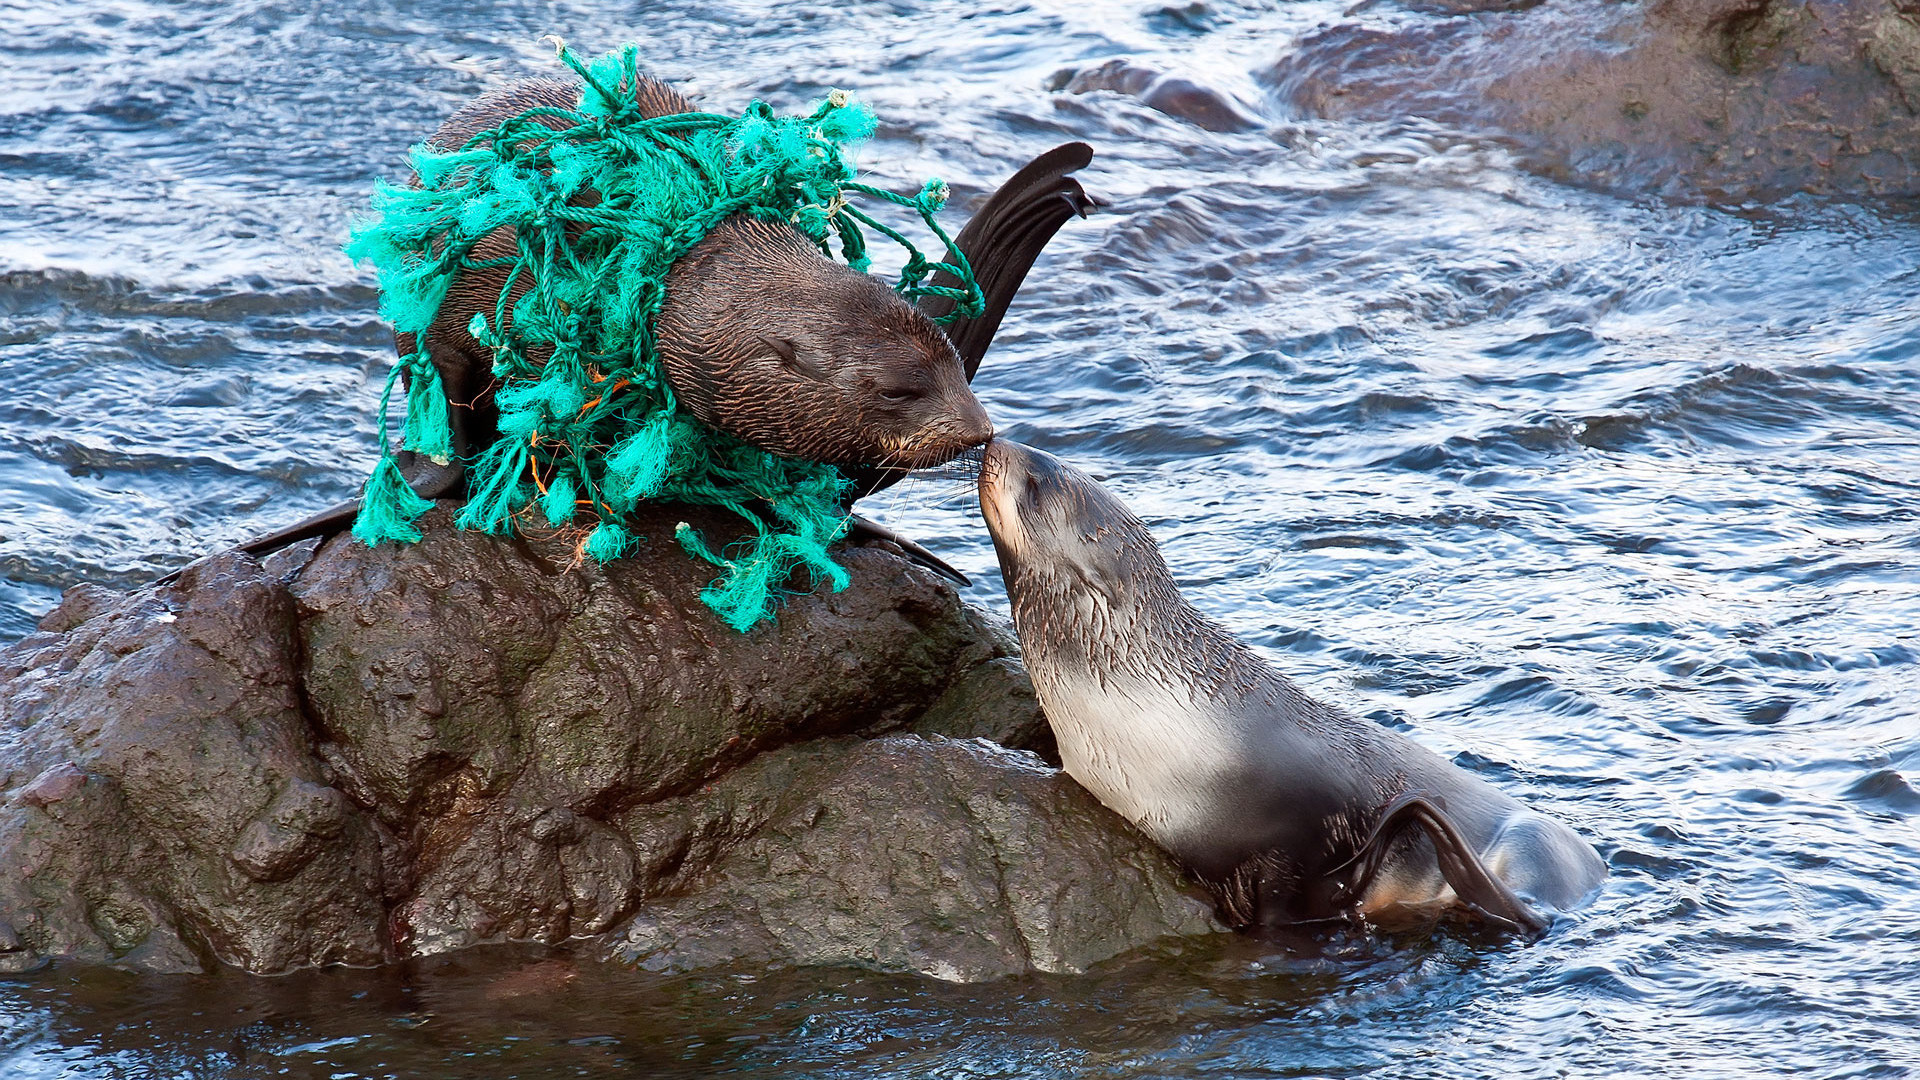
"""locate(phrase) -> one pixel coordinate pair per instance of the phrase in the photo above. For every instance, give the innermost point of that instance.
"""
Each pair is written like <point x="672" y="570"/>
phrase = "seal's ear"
<point x="790" y="358"/>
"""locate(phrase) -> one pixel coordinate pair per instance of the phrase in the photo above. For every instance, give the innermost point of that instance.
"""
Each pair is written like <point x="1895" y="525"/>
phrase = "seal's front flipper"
<point x="1477" y="887"/>
<point x="859" y="528"/>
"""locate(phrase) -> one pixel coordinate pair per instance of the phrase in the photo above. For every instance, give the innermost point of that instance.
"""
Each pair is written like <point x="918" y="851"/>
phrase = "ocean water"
<point x="1614" y="501"/>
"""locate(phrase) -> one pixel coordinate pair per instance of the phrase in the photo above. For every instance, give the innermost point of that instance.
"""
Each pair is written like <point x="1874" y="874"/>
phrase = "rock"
<point x="959" y="860"/>
<point x="52" y="786"/>
<point x="353" y="755"/>
<point x="287" y="562"/>
<point x="993" y="701"/>
<point x="1724" y="99"/>
<point x="295" y="828"/>
<point x="992" y="698"/>
<point x="139" y="746"/>
<point x="1175" y="95"/>
<point x="77" y="605"/>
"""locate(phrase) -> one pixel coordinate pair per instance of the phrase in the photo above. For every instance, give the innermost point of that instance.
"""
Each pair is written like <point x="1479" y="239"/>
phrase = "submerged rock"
<point x="1179" y="96"/>
<point x="351" y="755"/>
<point x="1727" y="99"/>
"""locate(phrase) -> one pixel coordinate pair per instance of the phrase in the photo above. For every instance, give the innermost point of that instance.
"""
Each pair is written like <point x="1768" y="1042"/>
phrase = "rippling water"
<point x="1616" y="502"/>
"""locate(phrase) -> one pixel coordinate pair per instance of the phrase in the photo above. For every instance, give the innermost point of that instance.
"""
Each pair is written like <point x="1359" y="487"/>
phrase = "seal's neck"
<point x="1133" y="626"/>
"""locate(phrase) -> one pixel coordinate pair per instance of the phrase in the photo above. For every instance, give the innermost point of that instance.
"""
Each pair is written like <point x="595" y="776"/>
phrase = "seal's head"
<point x="760" y="335"/>
<point x="763" y="337"/>
<point x="1061" y="536"/>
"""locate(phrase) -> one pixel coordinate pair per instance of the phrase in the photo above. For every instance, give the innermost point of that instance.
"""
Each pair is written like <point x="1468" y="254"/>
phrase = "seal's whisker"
<point x="939" y="488"/>
<point x="964" y="466"/>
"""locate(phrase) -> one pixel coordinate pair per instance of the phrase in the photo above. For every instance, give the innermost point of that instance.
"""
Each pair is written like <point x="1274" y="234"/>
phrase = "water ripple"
<point x="1610" y="501"/>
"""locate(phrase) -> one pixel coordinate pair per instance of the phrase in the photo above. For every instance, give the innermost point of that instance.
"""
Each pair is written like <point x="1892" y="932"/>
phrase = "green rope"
<point x="589" y="427"/>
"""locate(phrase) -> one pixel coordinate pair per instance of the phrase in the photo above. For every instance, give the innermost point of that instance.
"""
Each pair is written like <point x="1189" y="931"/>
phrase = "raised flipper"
<point x="1003" y="239"/>
<point x="1001" y="242"/>
<point x="1477" y="887"/>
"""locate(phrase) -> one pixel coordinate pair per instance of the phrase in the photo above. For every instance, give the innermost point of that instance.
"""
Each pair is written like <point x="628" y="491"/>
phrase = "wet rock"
<point x="139" y="747"/>
<point x="55" y="784"/>
<point x="992" y="698"/>
<point x="350" y="755"/>
<point x="296" y="827"/>
<point x="1177" y="96"/>
<point x="1726" y="99"/>
<point x="77" y="605"/>
<point x="287" y="562"/>
<point x="959" y="860"/>
<point x="993" y="701"/>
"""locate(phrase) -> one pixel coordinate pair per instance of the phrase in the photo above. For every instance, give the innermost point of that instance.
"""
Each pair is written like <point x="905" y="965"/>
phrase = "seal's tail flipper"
<point x="1477" y="887"/>
<point x="1005" y="236"/>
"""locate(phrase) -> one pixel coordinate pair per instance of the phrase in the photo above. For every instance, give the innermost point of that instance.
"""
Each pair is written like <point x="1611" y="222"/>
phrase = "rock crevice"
<point x="350" y="755"/>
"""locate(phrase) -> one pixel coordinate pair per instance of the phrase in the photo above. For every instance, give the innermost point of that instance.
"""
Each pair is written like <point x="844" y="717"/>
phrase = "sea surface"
<point x="1613" y="501"/>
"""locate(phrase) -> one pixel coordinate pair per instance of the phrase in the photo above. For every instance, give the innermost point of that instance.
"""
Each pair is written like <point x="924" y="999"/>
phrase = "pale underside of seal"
<point x="1289" y="809"/>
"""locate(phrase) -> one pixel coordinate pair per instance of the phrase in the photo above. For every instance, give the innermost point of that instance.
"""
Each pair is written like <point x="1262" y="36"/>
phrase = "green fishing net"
<point x="588" y="426"/>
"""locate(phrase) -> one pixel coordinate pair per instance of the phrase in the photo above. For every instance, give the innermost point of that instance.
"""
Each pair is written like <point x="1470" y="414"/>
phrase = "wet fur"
<point x="870" y="379"/>
<point x="1003" y="238"/>
<point x="1275" y="800"/>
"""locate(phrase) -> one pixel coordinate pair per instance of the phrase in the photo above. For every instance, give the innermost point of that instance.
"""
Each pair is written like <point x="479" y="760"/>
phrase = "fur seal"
<point x="761" y="335"/>
<point x="1289" y="810"/>
<point x="764" y="337"/>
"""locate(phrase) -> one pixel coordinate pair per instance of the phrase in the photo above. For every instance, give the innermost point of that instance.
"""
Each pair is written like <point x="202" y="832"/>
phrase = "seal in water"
<point x="764" y="337"/>
<point x="1287" y="809"/>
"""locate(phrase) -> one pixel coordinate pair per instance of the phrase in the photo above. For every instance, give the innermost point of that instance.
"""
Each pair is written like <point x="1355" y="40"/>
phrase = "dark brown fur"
<point x="761" y="336"/>
<point x="1002" y="239"/>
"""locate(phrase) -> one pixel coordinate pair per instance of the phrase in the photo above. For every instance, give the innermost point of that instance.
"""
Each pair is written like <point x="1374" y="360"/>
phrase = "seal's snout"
<point x="997" y="461"/>
<point x="974" y="427"/>
<point x="1025" y="475"/>
<point x="937" y="421"/>
<point x="1001" y="461"/>
<point x="1014" y="485"/>
<point x="763" y="338"/>
<point x="1047" y="516"/>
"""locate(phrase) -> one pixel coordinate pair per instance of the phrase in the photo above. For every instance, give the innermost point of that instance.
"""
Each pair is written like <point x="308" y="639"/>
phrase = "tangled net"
<point x="588" y="426"/>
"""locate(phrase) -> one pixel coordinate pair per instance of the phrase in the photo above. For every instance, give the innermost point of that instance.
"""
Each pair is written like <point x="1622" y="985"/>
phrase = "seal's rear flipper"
<point x="1001" y="242"/>
<point x="1005" y="236"/>
<point x="1477" y="887"/>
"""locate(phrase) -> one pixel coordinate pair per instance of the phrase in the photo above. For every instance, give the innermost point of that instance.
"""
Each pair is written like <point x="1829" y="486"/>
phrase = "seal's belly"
<point x="1147" y="750"/>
